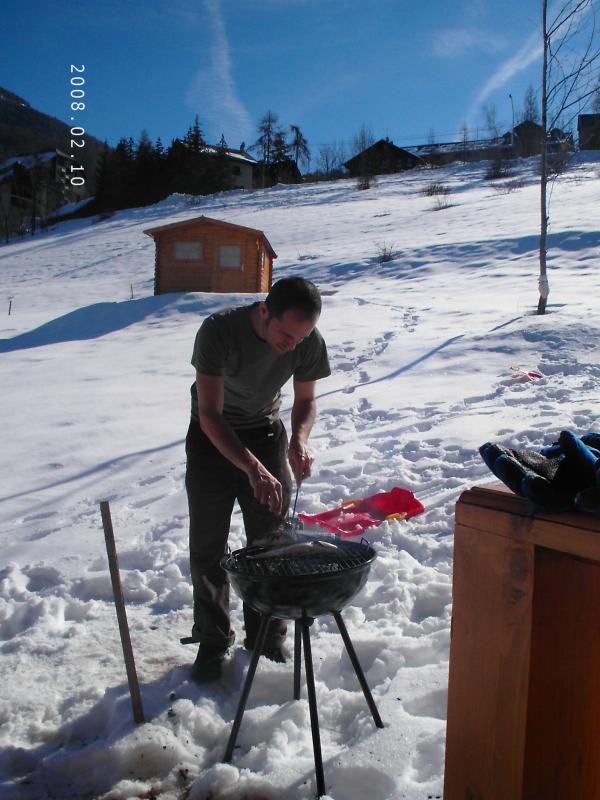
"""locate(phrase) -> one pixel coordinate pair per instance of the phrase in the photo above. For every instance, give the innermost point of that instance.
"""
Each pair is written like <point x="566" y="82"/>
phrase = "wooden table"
<point x="524" y="684"/>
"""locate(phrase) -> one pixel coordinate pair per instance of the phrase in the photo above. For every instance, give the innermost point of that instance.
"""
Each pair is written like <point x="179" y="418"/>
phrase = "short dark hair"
<point x="297" y="293"/>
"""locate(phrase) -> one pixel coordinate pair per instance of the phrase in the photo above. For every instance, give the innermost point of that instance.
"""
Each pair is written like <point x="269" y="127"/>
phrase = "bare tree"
<point x="464" y="136"/>
<point x="361" y="143"/>
<point x="363" y="140"/>
<point x="331" y="159"/>
<point x="491" y="121"/>
<point x="531" y="111"/>
<point x="571" y="55"/>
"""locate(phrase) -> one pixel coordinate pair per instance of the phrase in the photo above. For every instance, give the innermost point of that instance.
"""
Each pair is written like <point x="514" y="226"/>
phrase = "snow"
<point x="71" y="208"/>
<point x="95" y="378"/>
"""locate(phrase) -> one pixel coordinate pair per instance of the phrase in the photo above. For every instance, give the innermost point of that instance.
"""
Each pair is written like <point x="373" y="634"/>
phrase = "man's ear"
<point x="263" y="311"/>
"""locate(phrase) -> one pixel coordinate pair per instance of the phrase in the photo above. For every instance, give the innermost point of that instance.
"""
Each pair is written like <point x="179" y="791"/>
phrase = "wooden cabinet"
<point x="524" y="683"/>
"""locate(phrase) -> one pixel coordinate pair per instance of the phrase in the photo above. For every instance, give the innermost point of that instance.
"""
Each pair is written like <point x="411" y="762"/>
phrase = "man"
<point x="237" y="446"/>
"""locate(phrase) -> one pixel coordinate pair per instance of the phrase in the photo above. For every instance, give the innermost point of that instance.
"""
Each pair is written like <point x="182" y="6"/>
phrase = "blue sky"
<point x="402" y="67"/>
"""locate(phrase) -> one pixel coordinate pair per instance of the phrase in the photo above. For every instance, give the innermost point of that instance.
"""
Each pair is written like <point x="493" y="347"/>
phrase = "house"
<point x="239" y="165"/>
<point x="588" y="131"/>
<point x="208" y="255"/>
<point x="526" y="140"/>
<point x="34" y="186"/>
<point x="382" y="158"/>
<point x="468" y="150"/>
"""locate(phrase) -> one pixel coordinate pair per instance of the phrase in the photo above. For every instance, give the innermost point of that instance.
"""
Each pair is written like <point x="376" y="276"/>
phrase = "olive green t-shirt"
<point x="254" y="373"/>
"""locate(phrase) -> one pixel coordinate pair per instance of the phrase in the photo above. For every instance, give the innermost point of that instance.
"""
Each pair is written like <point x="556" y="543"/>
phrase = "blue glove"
<point x="562" y="477"/>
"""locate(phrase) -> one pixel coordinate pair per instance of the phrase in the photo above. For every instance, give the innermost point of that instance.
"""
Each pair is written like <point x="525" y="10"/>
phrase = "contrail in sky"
<point x="529" y="52"/>
<point x="213" y="93"/>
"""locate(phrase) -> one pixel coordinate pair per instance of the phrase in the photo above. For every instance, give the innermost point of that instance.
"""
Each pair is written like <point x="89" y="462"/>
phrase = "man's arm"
<point x="304" y="411"/>
<point x="210" y="390"/>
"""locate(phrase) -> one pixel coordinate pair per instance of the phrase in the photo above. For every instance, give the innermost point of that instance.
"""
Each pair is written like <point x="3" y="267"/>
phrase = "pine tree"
<point x="194" y="140"/>
<point x="267" y="128"/>
<point x="299" y="146"/>
<point x="280" y="148"/>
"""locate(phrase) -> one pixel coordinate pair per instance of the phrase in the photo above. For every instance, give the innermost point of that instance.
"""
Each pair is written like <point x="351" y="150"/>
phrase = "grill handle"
<point x="293" y="517"/>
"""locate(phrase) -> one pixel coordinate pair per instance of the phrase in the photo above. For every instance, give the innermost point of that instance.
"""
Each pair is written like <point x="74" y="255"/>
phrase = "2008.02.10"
<point x="77" y="93"/>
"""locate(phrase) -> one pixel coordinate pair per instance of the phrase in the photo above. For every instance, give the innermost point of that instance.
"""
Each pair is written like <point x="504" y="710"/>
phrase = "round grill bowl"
<point x="293" y="587"/>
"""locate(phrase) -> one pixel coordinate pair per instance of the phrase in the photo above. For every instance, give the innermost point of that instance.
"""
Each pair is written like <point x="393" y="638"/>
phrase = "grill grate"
<point x="253" y="564"/>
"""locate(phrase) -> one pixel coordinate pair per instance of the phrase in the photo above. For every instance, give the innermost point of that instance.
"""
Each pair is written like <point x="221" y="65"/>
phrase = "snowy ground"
<point x="95" y="393"/>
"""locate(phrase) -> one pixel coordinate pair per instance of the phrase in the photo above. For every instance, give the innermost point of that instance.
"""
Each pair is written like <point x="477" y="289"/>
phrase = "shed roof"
<point x="384" y="146"/>
<point x="187" y="223"/>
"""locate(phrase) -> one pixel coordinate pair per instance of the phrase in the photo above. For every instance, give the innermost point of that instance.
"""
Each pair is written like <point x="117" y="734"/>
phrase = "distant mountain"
<point x="24" y="130"/>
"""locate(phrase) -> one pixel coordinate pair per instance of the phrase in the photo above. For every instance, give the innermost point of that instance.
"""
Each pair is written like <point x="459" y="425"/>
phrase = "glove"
<point x="584" y="452"/>
<point x="562" y="477"/>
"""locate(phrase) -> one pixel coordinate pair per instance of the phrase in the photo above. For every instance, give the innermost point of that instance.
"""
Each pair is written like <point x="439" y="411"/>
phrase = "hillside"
<point x="95" y="405"/>
<point x="24" y="130"/>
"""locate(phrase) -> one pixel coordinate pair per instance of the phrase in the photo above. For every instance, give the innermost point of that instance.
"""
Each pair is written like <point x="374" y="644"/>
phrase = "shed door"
<point x="229" y="269"/>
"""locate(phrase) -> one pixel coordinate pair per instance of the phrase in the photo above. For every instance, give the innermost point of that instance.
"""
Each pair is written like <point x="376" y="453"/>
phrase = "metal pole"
<point x="312" y="706"/>
<point x="297" y="658"/>
<point x="113" y="564"/>
<point x="512" y="132"/>
<point x="260" y="640"/>
<point x="358" y="669"/>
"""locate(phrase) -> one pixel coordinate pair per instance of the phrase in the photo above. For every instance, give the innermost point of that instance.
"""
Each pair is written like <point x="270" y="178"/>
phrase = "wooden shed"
<point x="208" y="255"/>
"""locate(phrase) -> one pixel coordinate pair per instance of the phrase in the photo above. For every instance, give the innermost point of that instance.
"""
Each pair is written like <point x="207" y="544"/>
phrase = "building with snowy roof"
<point x="34" y="186"/>
<point x="239" y="165"/>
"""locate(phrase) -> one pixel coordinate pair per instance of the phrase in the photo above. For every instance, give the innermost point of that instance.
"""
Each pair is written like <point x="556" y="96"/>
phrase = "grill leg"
<point x="297" y="658"/>
<point x="260" y="640"/>
<point x="358" y="669"/>
<point x="312" y="705"/>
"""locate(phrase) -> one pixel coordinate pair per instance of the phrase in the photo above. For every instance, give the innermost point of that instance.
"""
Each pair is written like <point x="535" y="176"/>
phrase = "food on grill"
<point x="295" y="549"/>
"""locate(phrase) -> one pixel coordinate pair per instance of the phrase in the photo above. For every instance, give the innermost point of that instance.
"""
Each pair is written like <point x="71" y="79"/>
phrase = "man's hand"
<point x="300" y="459"/>
<point x="266" y="488"/>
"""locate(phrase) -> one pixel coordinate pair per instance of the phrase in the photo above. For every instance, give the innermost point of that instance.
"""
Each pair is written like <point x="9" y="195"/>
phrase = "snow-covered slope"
<point x="95" y="376"/>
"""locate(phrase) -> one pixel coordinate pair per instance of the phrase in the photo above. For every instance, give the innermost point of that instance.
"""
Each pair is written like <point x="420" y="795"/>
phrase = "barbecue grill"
<point x="300" y="581"/>
<point x="295" y="583"/>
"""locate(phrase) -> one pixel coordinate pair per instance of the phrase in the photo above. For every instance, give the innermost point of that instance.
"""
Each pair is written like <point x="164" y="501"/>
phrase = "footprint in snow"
<point x="347" y="781"/>
<point x="427" y="759"/>
<point x="434" y="704"/>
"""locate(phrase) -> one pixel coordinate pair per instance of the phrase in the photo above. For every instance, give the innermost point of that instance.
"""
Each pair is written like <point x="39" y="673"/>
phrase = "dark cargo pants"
<point x="213" y="484"/>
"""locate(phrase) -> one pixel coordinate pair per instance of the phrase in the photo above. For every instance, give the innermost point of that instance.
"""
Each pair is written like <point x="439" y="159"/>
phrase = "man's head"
<point x="289" y="313"/>
<point x="294" y="293"/>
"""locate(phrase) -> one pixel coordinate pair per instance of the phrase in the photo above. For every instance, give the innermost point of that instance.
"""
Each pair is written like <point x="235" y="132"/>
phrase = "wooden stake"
<point x="113" y="563"/>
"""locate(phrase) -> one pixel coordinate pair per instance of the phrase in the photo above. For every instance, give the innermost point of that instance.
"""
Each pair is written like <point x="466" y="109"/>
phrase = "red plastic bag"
<point x="353" y="517"/>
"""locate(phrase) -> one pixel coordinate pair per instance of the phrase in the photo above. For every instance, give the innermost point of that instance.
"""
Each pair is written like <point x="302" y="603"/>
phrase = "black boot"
<point x="208" y="664"/>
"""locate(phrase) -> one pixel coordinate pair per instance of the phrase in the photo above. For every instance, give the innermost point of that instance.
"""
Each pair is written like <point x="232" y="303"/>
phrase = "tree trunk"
<point x="543" y="279"/>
